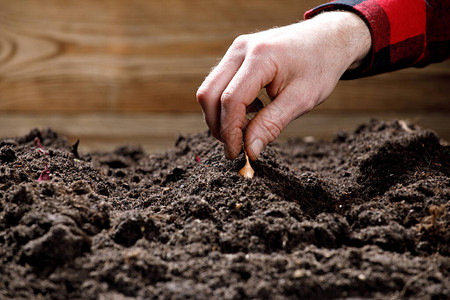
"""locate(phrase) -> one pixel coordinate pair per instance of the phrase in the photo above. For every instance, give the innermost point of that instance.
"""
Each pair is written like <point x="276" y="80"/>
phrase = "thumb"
<point x="265" y="127"/>
<point x="268" y="123"/>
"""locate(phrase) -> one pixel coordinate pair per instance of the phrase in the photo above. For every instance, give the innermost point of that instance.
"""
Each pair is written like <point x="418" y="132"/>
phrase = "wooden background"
<point x="116" y="71"/>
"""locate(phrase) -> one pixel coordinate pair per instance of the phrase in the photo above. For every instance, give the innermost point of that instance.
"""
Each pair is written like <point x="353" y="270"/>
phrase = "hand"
<point x="299" y="65"/>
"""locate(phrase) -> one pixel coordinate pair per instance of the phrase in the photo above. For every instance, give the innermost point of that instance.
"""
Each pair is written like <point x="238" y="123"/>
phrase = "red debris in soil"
<point x="40" y="148"/>
<point x="364" y="216"/>
<point x="37" y="142"/>
<point x="45" y="175"/>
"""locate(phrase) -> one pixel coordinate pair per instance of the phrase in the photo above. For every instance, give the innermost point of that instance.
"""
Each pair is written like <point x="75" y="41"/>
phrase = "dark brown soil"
<point x="364" y="216"/>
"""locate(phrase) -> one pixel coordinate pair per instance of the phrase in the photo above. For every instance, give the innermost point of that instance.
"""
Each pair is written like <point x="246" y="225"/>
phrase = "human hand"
<point x="299" y="65"/>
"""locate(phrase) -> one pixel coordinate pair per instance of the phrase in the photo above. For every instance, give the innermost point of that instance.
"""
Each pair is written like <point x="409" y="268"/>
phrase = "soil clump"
<point x="364" y="215"/>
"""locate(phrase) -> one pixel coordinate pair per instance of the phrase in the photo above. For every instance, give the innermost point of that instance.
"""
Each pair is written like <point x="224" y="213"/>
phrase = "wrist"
<point x="350" y="34"/>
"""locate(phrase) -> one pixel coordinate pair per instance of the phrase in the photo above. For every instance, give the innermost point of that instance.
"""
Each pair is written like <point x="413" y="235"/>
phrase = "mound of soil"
<point x="365" y="215"/>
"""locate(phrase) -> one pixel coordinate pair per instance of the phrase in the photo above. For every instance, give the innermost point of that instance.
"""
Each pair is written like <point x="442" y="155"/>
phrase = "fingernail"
<point x="256" y="147"/>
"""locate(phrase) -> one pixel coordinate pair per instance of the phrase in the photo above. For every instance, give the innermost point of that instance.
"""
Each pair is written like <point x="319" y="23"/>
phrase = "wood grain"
<point x="150" y="56"/>
<point x="82" y="56"/>
<point x="157" y="132"/>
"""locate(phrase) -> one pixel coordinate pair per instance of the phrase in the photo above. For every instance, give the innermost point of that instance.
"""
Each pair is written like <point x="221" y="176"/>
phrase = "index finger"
<point x="209" y="93"/>
<point x="252" y="76"/>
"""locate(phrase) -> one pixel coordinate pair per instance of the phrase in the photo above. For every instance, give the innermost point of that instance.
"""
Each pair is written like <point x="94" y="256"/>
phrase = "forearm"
<point x="351" y="32"/>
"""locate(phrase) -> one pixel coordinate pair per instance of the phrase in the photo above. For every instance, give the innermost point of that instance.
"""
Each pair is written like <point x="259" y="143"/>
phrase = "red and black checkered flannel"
<point x="405" y="33"/>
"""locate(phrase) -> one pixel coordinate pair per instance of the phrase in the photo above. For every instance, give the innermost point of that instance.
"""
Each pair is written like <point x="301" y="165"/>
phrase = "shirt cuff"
<point x="397" y="32"/>
<point x="367" y="62"/>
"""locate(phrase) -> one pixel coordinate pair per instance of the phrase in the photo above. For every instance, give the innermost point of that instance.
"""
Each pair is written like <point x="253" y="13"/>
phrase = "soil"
<point x="363" y="216"/>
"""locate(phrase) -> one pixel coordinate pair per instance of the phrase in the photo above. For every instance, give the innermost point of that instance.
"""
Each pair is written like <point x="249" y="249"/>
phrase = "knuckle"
<point x="261" y="48"/>
<point x="241" y="42"/>
<point x="272" y="128"/>
<point x="233" y="138"/>
<point x="231" y="129"/>
<point x="227" y="98"/>
<point x="203" y="95"/>
<point x="310" y="103"/>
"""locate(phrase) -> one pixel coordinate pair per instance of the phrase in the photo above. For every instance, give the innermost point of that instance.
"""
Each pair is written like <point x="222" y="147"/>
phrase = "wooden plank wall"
<point x="150" y="56"/>
<point x="121" y="55"/>
<point x="108" y="57"/>
<point x="157" y="132"/>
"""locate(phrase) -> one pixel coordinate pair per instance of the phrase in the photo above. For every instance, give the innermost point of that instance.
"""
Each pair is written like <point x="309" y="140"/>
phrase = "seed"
<point x="247" y="171"/>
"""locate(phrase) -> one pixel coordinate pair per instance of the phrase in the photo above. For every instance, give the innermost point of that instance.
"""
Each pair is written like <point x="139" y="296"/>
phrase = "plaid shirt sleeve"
<point x="405" y="33"/>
